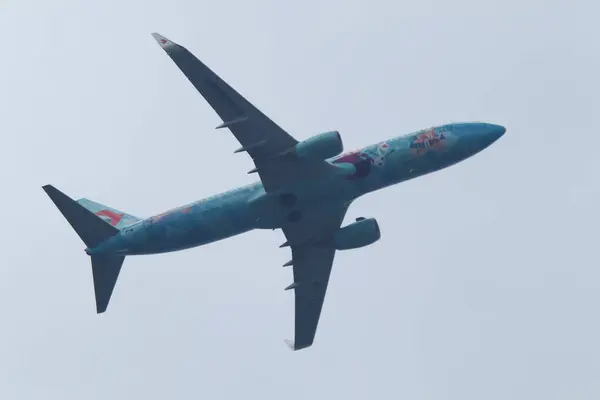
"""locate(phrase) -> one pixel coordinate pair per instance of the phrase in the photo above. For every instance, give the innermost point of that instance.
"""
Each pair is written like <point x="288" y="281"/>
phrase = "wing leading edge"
<point x="260" y="137"/>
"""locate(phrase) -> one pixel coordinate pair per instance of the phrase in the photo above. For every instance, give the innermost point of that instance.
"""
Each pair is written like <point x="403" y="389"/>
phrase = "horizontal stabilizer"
<point x="92" y="229"/>
<point x="106" y="269"/>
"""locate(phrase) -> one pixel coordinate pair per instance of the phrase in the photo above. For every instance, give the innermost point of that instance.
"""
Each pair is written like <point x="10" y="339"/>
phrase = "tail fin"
<point x="93" y="230"/>
<point x="116" y="218"/>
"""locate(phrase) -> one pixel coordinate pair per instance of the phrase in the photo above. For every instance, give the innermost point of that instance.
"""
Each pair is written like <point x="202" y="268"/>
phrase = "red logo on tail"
<point x="114" y="217"/>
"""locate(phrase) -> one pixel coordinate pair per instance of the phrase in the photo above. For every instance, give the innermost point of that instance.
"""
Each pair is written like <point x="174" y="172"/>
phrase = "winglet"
<point x="290" y="344"/>
<point x="163" y="41"/>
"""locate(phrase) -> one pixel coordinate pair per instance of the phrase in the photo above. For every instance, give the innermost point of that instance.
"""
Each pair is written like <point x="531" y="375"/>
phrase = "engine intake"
<point x="322" y="146"/>
<point x="360" y="233"/>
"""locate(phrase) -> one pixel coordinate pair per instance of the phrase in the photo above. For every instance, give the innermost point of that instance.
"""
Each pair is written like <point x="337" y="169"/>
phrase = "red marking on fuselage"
<point x="114" y="217"/>
<point x="428" y="140"/>
<point x="160" y="216"/>
<point x="185" y="210"/>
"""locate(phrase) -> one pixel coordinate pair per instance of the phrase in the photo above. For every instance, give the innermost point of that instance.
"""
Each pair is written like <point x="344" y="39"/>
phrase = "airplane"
<point x="305" y="189"/>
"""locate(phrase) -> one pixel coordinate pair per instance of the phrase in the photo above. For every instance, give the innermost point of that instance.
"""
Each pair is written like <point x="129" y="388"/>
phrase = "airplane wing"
<point x="312" y="260"/>
<point x="260" y="137"/>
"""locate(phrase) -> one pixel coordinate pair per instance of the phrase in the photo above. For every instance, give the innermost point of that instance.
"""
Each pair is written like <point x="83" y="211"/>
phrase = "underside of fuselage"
<point x="251" y="207"/>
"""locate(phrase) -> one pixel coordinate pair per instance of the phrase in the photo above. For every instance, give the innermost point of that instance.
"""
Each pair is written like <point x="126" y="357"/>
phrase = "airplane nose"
<point x="495" y="132"/>
<point x="476" y="136"/>
<point x="489" y="133"/>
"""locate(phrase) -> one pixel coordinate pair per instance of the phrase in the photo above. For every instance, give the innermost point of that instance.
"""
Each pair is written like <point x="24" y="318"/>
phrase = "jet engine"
<point x="362" y="232"/>
<point x="322" y="146"/>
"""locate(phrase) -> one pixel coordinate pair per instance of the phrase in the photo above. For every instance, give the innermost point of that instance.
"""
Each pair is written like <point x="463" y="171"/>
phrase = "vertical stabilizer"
<point x="118" y="219"/>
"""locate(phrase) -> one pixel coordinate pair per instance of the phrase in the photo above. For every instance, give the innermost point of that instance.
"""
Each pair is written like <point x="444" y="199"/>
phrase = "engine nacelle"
<point x="363" y="232"/>
<point x="322" y="146"/>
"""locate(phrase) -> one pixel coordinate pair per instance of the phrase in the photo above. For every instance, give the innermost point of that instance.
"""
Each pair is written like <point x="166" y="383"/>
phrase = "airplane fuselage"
<point x="251" y="207"/>
<point x="305" y="189"/>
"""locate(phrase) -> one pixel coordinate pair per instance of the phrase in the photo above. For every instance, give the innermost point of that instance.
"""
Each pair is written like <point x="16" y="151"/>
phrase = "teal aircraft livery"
<point x="305" y="190"/>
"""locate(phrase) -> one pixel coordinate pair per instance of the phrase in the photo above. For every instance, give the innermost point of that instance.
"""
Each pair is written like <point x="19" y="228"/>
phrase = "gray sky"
<point x="485" y="283"/>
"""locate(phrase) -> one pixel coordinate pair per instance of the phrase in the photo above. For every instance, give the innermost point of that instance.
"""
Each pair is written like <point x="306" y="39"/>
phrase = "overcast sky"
<point x="485" y="284"/>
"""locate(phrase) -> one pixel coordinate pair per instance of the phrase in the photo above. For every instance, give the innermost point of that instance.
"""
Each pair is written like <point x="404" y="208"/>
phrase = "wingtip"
<point x="161" y="40"/>
<point x="49" y="189"/>
<point x="294" y="347"/>
<point x="290" y="344"/>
